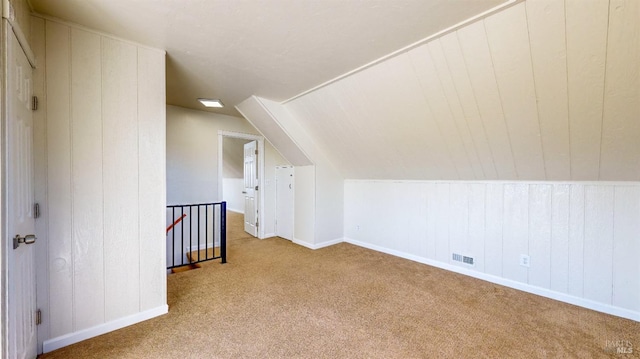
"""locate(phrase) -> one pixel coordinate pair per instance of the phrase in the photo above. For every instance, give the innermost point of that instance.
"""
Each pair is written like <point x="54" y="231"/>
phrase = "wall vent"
<point x="464" y="259"/>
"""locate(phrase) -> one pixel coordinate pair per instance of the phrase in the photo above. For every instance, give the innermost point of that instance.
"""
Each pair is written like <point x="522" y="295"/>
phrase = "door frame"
<point x="261" y="180"/>
<point x="8" y="24"/>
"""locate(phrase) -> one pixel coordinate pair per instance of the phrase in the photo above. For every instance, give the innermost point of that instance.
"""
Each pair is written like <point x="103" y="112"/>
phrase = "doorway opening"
<point x="232" y="148"/>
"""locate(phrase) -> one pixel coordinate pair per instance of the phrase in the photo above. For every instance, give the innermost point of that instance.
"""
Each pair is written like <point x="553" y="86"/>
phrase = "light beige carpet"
<point x="275" y="299"/>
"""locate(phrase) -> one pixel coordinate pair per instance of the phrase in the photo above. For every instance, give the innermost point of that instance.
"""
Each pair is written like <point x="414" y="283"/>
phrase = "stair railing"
<point x="198" y="233"/>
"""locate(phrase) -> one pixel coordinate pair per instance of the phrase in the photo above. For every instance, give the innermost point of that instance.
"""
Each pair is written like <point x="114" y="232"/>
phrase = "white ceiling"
<point x="544" y="90"/>
<point x="276" y="49"/>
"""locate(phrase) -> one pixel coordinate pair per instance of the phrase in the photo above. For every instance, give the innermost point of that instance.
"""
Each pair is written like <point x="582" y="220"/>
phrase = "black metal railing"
<point x="196" y="233"/>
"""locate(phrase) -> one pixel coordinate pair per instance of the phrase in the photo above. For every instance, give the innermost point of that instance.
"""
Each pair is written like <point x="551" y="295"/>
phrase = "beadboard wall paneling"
<point x="581" y="238"/>
<point x="59" y="193"/>
<point x="87" y="173"/>
<point x="121" y="215"/>
<point x="103" y="198"/>
<point x="542" y="90"/>
<point x="545" y="20"/>
<point x="620" y="147"/>
<point x="152" y="176"/>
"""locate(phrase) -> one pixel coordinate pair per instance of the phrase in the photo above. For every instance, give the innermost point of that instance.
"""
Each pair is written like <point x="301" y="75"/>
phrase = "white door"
<point x="20" y="220"/>
<point x="250" y="188"/>
<point x="284" y="202"/>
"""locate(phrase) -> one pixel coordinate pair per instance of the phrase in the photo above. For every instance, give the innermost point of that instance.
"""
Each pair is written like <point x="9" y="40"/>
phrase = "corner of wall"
<point x="329" y="182"/>
<point x="76" y="337"/>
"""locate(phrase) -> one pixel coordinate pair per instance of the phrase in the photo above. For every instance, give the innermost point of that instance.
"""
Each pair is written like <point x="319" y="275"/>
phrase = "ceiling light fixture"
<point x="207" y="102"/>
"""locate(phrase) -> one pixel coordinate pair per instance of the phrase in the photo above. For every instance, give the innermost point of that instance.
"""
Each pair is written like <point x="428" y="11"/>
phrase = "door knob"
<point x="28" y="239"/>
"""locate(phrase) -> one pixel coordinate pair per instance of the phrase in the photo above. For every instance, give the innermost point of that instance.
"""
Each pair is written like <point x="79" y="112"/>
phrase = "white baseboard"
<point x="209" y="246"/>
<point x="235" y="210"/>
<point x="75" y="337"/>
<point x="269" y="235"/>
<point x="318" y="245"/>
<point x="544" y="292"/>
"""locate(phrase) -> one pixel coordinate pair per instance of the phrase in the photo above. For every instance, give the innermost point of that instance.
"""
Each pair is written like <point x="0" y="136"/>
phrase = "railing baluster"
<point x="206" y="232"/>
<point x="182" y="235"/>
<point x="190" y="234"/>
<point x="173" y="240"/>
<point x="223" y="232"/>
<point x="222" y="237"/>
<point x="213" y="230"/>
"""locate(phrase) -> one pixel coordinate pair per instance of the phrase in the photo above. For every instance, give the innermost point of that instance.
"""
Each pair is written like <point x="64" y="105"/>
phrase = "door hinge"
<point x="256" y="152"/>
<point x="36" y="210"/>
<point x="38" y="317"/>
<point x="256" y="188"/>
<point x="257" y="224"/>
<point x="34" y="103"/>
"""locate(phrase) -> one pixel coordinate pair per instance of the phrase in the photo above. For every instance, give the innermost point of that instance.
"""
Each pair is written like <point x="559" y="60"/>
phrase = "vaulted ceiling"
<point x="543" y="90"/>
<point x="540" y="90"/>
<point x="232" y="49"/>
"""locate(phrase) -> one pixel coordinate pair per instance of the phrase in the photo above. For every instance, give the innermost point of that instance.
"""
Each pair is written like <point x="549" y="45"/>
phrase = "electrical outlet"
<point x="524" y="260"/>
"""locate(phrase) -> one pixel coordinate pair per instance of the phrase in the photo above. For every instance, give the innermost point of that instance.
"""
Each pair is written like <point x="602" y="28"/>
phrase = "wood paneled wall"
<point x="102" y="231"/>
<point x="583" y="238"/>
<point x="544" y="90"/>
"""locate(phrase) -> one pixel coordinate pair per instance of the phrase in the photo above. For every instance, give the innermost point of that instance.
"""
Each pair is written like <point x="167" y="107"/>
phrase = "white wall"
<point x="272" y="158"/>
<point x="304" y="197"/>
<point x="327" y="183"/>
<point x="192" y="158"/>
<point x="583" y="238"/>
<point x="192" y="153"/>
<point x="543" y="90"/>
<point x="232" y="173"/>
<point x="232" y="193"/>
<point x="101" y="131"/>
<point x="233" y="157"/>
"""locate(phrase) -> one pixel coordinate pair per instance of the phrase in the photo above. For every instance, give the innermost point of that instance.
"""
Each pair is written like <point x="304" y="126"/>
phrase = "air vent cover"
<point x="464" y="259"/>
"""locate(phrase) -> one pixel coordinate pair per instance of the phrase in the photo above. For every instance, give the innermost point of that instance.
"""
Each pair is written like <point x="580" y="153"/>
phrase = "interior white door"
<point x="250" y="188"/>
<point x="22" y="335"/>
<point x="284" y="202"/>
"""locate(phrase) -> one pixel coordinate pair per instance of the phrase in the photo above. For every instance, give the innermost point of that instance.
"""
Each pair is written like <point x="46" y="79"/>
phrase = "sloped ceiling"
<point x="544" y="90"/>
<point x="233" y="157"/>
<point x="276" y="49"/>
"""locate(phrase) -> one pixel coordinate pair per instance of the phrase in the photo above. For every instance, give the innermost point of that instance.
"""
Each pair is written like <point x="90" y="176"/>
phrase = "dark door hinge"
<point x="34" y="103"/>
<point x="36" y="210"/>
<point x="38" y="317"/>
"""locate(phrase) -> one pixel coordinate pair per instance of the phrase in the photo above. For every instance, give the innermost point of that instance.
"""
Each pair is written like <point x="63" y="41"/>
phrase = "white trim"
<point x="269" y="235"/>
<point x="209" y="246"/>
<point x="22" y="39"/>
<point x="235" y="210"/>
<point x="318" y="245"/>
<point x="75" y="337"/>
<point x="562" y="297"/>
<point x="438" y="34"/>
<point x="261" y="180"/>
<point x="277" y="122"/>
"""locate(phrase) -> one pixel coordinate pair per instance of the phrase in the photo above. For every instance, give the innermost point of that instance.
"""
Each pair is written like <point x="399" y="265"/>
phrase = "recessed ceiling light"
<point x="211" y="102"/>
